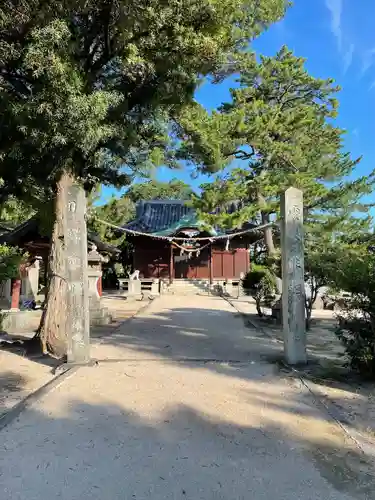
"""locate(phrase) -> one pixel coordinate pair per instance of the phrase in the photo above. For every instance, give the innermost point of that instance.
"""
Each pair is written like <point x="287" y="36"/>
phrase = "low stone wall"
<point x="156" y="286"/>
<point x="28" y="320"/>
<point x="20" y="321"/>
<point x="134" y="287"/>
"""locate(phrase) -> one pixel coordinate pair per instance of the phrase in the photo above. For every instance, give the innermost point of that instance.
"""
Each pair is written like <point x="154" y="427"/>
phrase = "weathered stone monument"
<point x="293" y="282"/>
<point x="75" y="238"/>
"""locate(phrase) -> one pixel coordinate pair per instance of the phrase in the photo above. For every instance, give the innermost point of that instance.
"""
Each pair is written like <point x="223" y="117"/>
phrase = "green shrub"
<point x="260" y="283"/>
<point x="357" y="335"/>
<point x="10" y="260"/>
<point x="356" y="320"/>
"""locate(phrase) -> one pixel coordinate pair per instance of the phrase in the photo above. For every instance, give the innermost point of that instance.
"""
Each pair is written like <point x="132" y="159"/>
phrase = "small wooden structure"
<point x="30" y="237"/>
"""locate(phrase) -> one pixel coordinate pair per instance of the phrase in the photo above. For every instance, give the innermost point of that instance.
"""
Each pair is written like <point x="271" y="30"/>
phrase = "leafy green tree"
<point x="279" y="130"/>
<point x="15" y="212"/>
<point x="10" y="260"/>
<point x="157" y="190"/>
<point x="119" y="211"/>
<point x="324" y="248"/>
<point x="88" y="88"/>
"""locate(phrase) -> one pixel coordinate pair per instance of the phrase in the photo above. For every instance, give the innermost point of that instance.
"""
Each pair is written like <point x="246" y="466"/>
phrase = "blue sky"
<point x="337" y="39"/>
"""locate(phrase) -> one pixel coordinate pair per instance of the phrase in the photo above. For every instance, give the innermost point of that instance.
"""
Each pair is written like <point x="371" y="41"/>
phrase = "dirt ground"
<point x="183" y="404"/>
<point x="333" y="381"/>
<point x="22" y="374"/>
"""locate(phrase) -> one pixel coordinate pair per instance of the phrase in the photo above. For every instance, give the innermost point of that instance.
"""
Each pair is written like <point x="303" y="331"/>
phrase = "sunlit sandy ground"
<point x="183" y="404"/>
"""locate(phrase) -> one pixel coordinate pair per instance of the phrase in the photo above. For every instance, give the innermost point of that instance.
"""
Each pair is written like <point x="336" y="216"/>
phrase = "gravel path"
<point x="183" y="405"/>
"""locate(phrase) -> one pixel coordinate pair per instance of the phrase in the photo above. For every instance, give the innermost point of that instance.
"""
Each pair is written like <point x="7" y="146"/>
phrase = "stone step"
<point x="191" y="285"/>
<point x="187" y="288"/>
<point x="186" y="292"/>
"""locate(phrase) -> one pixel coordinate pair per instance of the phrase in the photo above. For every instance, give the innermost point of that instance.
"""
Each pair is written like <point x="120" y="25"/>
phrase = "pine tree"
<point x="279" y="130"/>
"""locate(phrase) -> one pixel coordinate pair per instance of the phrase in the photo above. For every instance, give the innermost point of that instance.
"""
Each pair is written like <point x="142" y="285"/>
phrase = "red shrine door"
<point x="195" y="267"/>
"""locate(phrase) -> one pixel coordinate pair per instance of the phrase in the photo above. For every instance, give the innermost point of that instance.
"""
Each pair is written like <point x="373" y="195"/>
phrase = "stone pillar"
<point x="134" y="288"/>
<point x="94" y="275"/>
<point x="171" y="265"/>
<point x="75" y="237"/>
<point x="16" y="294"/>
<point x="229" y="287"/>
<point x="99" y="285"/>
<point x="31" y="281"/>
<point x="5" y="294"/>
<point x="155" y="287"/>
<point x="98" y="314"/>
<point x="293" y="282"/>
<point x="210" y="264"/>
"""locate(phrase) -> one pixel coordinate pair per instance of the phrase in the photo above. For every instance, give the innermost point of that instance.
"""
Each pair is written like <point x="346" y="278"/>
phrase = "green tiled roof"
<point x="166" y="217"/>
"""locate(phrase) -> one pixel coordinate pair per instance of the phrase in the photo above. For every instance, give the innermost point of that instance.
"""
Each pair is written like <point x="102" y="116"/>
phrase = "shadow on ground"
<point x="11" y="381"/>
<point x="191" y="409"/>
<point x="220" y="340"/>
<point x="82" y="450"/>
<point x="27" y="347"/>
<point x="196" y="334"/>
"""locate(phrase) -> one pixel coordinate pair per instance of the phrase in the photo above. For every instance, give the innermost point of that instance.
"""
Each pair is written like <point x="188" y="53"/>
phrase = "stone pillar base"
<point x="100" y="317"/>
<point x="155" y="288"/>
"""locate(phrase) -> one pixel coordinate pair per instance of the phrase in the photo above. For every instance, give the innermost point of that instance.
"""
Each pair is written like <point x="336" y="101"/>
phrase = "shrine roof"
<point x="5" y="227"/>
<point x="28" y="234"/>
<point x="166" y="217"/>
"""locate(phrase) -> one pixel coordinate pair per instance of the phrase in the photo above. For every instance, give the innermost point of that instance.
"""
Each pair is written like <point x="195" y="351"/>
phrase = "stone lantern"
<point x="99" y="315"/>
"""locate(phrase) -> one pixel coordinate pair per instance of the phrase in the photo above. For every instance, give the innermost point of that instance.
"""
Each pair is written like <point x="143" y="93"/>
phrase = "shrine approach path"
<point x="186" y="403"/>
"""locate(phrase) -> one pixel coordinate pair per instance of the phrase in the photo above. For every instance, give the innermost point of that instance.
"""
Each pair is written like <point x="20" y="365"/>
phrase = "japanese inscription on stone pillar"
<point x="75" y="239"/>
<point x="293" y="280"/>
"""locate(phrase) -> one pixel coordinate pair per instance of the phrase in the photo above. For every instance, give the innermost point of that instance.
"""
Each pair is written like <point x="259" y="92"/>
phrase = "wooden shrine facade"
<point x="170" y="259"/>
<point x="160" y="259"/>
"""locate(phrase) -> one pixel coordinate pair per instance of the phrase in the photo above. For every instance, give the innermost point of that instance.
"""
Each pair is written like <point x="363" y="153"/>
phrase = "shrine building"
<point x="167" y="246"/>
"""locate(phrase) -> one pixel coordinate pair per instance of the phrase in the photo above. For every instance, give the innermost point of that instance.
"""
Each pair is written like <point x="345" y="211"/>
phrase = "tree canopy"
<point x="121" y="210"/>
<point x="157" y="190"/>
<point x="88" y="86"/>
<point x="277" y="131"/>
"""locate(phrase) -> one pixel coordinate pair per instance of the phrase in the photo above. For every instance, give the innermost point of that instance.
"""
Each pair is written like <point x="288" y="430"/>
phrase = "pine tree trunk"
<point x="53" y="331"/>
<point x="265" y="218"/>
<point x="268" y="235"/>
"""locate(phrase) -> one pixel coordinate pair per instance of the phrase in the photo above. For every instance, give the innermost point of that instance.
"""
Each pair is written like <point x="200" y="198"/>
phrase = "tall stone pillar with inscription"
<point x="293" y="277"/>
<point x="75" y="238"/>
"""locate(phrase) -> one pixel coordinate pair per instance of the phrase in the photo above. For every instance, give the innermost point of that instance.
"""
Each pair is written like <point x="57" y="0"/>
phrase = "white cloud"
<point x="368" y="60"/>
<point x="372" y="86"/>
<point x="348" y="57"/>
<point x="335" y="8"/>
<point x="345" y="47"/>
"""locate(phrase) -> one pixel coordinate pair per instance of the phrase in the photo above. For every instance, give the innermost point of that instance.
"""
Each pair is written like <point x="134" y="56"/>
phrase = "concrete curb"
<point x="363" y="443"/>
<point x="9" y="416"/>
<point x="35" y="396"/>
